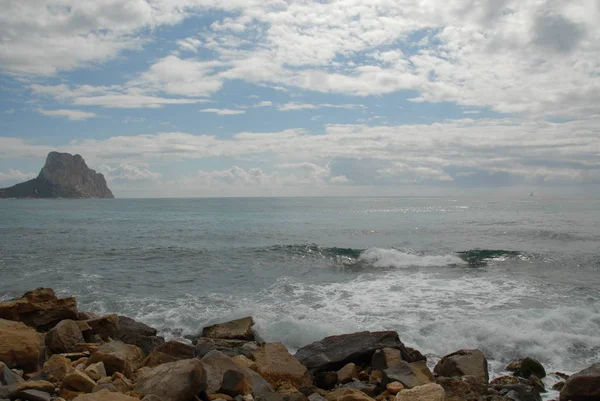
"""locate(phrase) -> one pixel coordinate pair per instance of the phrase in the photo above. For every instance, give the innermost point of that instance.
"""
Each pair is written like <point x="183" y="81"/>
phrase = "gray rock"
<point x="216" y="364"/>
<point x="240" y="329"/>
<point x="8" y="377"/>
<point x="403" y="372"/>
<point x="64" y="337"/>
<point x="526" y="367"/>
<point x="583" y="385"/>
<point x="520" y="392"/>
<point x="463" y="363"/>
<point x="316" y="397"/>
<point x="173" y="381"/>
<point x="140" y="334"/>
<point x="34" y="395"/>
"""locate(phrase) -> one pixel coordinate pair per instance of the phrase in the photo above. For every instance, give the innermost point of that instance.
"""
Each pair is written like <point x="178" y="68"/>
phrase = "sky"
<point x="187" y="98"/>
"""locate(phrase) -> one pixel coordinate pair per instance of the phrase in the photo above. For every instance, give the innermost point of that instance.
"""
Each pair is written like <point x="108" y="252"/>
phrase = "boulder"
<point x="239" y="329"/>
<point x="95" y="371"/>
<point x="244" y="362"/>
<point x="457" y="389"/>
<point x="140" y="334"/>
<point x="407" y="374"/>
<point x="526" y="367"/>
<point x="40" y="308"/>
<point x="234" y="383"/>
<point x="54" y="370"/>
<point x="370" y="389"/>
<point x="103" y="327"/>
<point x="463" y="363"/>
<point x="64" y="337"/>
<point x="121" y="383"/>
<point x="427" y="392"/>
<point x="348" y="373"/>
<point x="170" y="351"/>
<point x="118" y="357"/>
<point x="105" y="395"/>
<point x="326" y="380"/>
<point x="583" y="385"/>
<point x="277" y="366"/>
<point x="385" y="358"/>
<point x="216" y="364"/>
<point x="332" y="353"/>
<point x="347" y="394"/>
<point x="78" y="381"/>
<point x="33" y="395"/>
<point x="8" y="377"/>
<point x="520" y="392"/>
<point x="231" y="348"/>
<point x="173" y="381"/>
<point x="20" y="345"/>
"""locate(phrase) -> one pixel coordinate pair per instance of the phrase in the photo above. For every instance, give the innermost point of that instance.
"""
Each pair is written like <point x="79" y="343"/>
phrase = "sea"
<point x="513" y="277"/>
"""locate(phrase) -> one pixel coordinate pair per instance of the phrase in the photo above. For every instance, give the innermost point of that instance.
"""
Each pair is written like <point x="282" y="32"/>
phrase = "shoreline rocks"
<point x="49" y="351"/>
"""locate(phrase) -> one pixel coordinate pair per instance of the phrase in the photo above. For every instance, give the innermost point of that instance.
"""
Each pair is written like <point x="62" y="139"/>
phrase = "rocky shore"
<point x="49" y="350"/>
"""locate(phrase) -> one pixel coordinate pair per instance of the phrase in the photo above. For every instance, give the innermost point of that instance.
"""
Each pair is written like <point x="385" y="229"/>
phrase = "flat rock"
<point x="8" y="377"/>
<point x="407" y="374"/>
<point x="385" y="358"/>
<point x="78" y="381"/>
<point x="277" y="366"/>
<point x="34" y="395"/>
<point x="104" y="327"/>
<point x="137" y="333"/>
<point x="64" y="337"/>
<point x="20" y="345"/>
<point x="173" y="381"/>
<point x="463" y="363"/>
<point x="583" y="385"/>
<point x="54" y="369"/>
<point x="118" y="357"/>
<point x="40" y="385"/>
<point x="427" y="392"/>
<point x="105" y="395"/>
<point x="332" y="353"/>
<point x="170" y="351"/>
<point x="40" y="308"/>
<point x="239" y="329"/>
<point x="347" y="394"/>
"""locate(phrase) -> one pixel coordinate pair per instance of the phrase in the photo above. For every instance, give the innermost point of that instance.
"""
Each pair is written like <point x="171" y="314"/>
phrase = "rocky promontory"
<point x="51" y="351"/>
<point x="63" y="176"/>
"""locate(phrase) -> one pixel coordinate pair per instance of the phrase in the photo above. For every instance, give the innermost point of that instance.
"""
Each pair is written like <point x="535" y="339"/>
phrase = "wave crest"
<point x="380" y="257"/>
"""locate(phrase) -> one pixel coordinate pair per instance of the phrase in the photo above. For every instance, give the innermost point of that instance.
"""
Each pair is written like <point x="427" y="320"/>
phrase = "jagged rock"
<point x="457" y="389"/>
<point x="385" y="358"/>
<point x="369" y="389"/>
<point x="525" y="367"/>
<point x="463" y="363"/>
<point x="332" y="353"/>
<point x="234" y="383"/>
<point x="277" y="365"/>
<point x="105" y="395"/>
<point x="95" y="371"/>
<point x="244" y="362"/>
<point x="39" y="308"/>
<point x="78" y="381"/>
<point x="231" y="348"/>
<point x="394" y="387"/>
<point x="405" y="373"/>
<point x="39" y="385"/>
<point x="63" y="176"/>
<point x="20" y="345"/>
<point x="520" y="392"/>
<point x="326" y="380"/>
<point x="8" y="377"/>
<point x="170" y="351"/>
<point x="583" y="385"/>
<point x="54" y="370"/>
<point x="558" y="386"/>
<point x="121" y="383"/>
<point x="118" y="357"/>
<point x="173" y="381"/>
<point x="239" y="329"/>
<point x="104" y="327"/>
<point x="347" y="394"/>
<point x="64" y="337"/>
<point x="137" y="333"/>
<point x="427" y="392"/>
<point x="33" y="395"/>
<point x="348" y="373"/>
<point x="216" y="364"/>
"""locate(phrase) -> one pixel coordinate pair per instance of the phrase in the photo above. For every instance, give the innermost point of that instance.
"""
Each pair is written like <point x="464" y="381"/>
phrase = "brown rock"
<point x="394" y="387"/>
<point x="422" y="367"/>
<point x="106" y="386"/>
<point x="385" y="358"/>
<point x="69" y="395"/>
<point x="173" y="381"/>
<point x="427" y="392"/>
<point x="105" y="395"/>
<point x="364" y="376"/>
<point x="170" y="351"/>
<point x="457" y="389"/>
<point x="39" y="308"/>
<point x="96" y="371"/>
<point x="118" y="357"/>
<point x="8" y="377"/>
<point x="525" y="367"/>
<point x="40" y="385"/>
<point x="235" y="383"/>
<point x="240" y="329"/>
<point x="376" y="376"/>
<point x="33" y="395"/>
<point x="80" y="361"/>
<point x="152" y="397"/>
<point x="104" y="327"/>
<point x="244" y="362"/>
<point x="215" y="396"/>
<point x="463" y="363"/>
<point x="137" y="333"/>
<point x="583" y="385"/>
<point x="348" y="373"/>
<point x="78" y="381"/>
<point x="407" y="374"/>
<point x="347" y="394"/>
<point x="326" y="380"/>
<point x="54" y="370"/>
<point x="64" y="337"/>
<point x="216" y="364"/>
<point x="120" y="382"/>
<point x="20" y="346"/>
<point x="230" y="348"/>
<point x="277" y="365"/>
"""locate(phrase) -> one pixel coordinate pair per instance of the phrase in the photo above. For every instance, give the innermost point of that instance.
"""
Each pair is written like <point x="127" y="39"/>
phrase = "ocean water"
<point x="512" y="277"/>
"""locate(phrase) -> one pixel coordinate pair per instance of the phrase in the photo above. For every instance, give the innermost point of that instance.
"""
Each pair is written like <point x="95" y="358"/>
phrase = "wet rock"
<point x="394" y="387"/>
<point x="103" y="327"/>
<point x="96" y="371"/>
<point x="230" y="348"/>
<point x="173" y="381"/>
<point x="40" y="308"/>
<point x="234" y="383"/>
<point x="526" y="367"/>
<point x="20" y="345"/>
<point x="64" y="337"/>
<point x="332" y="353"/>
<point x="558" y="386"/>
<point x="105" y="395"/>
<point x="8" y="377"/>
<point x="140" y="334"/>
<point x="34" y="395"/>
<point x="54" y="370"/>
<point x="503" y="380"/>
<point x="277" y="365"/>
<point x="463" y="363"/>
<point x="326" y="380"/>
<point x="427" y="392"/>
<point x="216" y="364"/>
<point x="406" y="374"/>
<point x="347" y="394"/>
<point x="583" y="385"/>
<point x="170" y="351"/>
<point x="118" y="357"/>
<point x="457" y="389"/>
<point x="385" y="358"/>
<point x="520" y="392"/>
<point x="78" y="381"/>
<point x="240" y="329"/>
<point x="347" y="373"/>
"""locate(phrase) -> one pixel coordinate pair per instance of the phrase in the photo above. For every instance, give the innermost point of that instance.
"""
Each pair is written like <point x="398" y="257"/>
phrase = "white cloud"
<point x="223" y="112"/>
<point x="73" y="115"/>
<point x="129" y="173"/>
<point x="15" y="176"/>
<point x="309" y="106"/>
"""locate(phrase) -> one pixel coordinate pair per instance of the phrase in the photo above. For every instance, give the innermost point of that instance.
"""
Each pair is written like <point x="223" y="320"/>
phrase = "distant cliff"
<point x="63" y="176"/>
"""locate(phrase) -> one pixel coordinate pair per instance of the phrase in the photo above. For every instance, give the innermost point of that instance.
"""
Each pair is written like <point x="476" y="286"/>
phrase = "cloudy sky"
<point x="304" y="97"/>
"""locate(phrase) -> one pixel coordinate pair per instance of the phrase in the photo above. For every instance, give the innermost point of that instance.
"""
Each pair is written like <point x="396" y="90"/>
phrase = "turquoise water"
<point x="512" y="277"/>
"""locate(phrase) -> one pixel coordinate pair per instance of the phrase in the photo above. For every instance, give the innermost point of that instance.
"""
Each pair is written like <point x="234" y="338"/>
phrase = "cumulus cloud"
<point x="129" y="173"/>
<point x="73" y="115"/>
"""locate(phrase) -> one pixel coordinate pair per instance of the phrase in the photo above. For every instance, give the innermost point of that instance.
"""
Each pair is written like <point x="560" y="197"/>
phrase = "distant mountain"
<point x="63" y="176"/>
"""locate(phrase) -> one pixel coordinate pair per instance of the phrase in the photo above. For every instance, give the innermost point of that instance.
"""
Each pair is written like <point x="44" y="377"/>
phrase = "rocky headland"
<point x="63" y="176"/>
<point x="49" y="350"/>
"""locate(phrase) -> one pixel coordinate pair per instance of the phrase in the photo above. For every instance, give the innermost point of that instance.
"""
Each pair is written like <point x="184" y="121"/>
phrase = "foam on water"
<point x="379" y="257"/>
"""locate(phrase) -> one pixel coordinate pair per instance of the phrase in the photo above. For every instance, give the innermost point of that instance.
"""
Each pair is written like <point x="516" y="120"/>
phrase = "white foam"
<point x="380" y="257"/>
